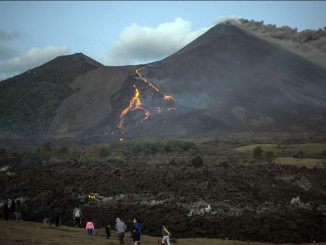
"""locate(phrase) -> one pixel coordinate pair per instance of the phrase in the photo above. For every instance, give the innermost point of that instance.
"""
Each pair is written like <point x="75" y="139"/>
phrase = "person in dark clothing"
<point x="108" y="231"/>
<point x="137" y="230"/>
<point x="18" y="211"/>
<point x="56" y="216"/>
<point x="13" y="209"/>
<point x="5" y="210"/>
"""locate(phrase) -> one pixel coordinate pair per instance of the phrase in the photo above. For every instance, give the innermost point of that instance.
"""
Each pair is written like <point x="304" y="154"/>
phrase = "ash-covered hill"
<point x="227" y="80"/>
<point x="29" y="101"/>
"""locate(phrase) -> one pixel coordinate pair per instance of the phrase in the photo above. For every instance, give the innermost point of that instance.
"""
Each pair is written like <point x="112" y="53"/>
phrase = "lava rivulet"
<point x="135" y="102"/>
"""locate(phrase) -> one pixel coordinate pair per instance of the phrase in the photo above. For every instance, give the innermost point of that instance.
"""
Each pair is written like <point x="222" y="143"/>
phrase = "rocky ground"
<point x="249" y="202"/>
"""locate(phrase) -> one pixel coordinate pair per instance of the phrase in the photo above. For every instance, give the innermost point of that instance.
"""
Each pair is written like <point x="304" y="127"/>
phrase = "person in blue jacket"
<point x="137" y="232"/>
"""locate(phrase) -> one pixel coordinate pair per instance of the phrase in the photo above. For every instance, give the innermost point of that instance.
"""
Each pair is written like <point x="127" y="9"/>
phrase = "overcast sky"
<point x="121" y="33"/>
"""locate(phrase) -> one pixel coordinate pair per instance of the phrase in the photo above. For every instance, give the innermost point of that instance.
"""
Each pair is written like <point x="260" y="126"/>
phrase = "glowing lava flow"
<point x="165" y="97"/>
<point x="135" y="102"/>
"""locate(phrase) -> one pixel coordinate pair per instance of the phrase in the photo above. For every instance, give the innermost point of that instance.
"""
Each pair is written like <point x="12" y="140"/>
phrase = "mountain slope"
<point x="227" y="80"/>
<point x="29" y="100"/>
<point x="245" y="81"/>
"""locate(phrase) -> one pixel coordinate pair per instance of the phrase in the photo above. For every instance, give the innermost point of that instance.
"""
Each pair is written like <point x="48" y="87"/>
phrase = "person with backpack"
<point x="77" y="216"/>
<point x="121" y="229"/>
<point x="165" y="235"/>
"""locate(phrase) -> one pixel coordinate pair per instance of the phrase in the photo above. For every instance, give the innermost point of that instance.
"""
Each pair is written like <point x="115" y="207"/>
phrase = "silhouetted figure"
<point x="9" y="204"/>
<point x="5" y="210"/>
<point x="13" y="209"/>
<point x="56" y="216"/>
<point x="108" y="231"/>
<point x="18" y="211"/>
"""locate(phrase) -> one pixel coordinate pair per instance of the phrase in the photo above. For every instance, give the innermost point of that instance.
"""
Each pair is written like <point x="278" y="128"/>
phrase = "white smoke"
<point x="142" y="44"/>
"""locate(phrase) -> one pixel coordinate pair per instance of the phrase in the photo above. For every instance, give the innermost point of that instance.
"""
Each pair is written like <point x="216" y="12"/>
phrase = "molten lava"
<point x="135" y="102"/>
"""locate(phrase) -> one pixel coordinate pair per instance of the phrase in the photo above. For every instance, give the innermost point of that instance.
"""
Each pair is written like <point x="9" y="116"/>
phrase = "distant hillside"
<point x="29" y="101"/>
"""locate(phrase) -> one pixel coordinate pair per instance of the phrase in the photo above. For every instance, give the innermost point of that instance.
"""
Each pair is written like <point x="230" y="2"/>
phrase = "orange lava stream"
<point x="166" y="97"/>
<point x="135" y="102"/>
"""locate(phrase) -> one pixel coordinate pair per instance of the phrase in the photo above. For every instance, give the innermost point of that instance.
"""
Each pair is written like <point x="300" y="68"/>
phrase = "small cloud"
<point x="30" y="59"/>
<point x="142" y="44"/>
<point x="6" y="35"/>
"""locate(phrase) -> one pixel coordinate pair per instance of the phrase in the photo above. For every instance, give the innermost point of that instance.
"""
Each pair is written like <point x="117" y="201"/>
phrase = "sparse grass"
<point x="313" y="148"/>
<point x="37" y="233"/>
<point x="307" y="162"/>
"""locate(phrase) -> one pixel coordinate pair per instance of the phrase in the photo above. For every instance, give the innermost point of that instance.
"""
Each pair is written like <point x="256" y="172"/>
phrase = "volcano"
<point x="227" y="80"/>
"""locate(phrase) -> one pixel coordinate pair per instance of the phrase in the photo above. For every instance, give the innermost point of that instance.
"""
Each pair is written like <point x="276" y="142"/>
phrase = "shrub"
<point x="197" y="162"/>
<point x="299" y="154"/>
<point x="258" y="152"/>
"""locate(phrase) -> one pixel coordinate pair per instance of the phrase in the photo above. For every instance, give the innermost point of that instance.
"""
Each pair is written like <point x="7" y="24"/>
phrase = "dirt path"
<point x="37" y="233"/>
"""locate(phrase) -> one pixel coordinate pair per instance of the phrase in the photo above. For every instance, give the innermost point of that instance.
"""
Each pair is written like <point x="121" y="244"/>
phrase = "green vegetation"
<point x="307" y="162"/>
<point x="258" y="152"/>
<point x="114" y="153"/>
<point x="29" y="101"/>
<point x="277" y="149"/>
<point x="308" y="155"/>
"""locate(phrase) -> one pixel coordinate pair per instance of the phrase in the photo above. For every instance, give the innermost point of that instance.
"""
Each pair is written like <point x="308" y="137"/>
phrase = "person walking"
<point x="77" y="216"/>
<point x="165" y="235"/>
<point x="90" y="227"/>
<point x="121" y="229"/>
<point x="56" y="214"/>
<point x="137" y="231"/>
<point x="18" y="211"/>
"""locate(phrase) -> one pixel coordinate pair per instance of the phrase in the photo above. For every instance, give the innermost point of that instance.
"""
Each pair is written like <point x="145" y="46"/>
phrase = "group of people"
<point x="120" y="227"/>
<point x="12" y="209"/>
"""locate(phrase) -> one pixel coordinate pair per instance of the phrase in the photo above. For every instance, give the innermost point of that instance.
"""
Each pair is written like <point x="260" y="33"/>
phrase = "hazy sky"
<point x="119" y="33"/>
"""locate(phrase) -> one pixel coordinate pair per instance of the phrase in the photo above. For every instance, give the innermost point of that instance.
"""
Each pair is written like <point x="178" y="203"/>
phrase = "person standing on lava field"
<point x="165" y="235"/>
<point x="18" y="211"/>
<point x="56" y="216"/>
<point x="9" y="204"/>
<point x="77" y="216"/>
<point x="90" y="227"/>
<point x="137" y="232"/>
<point x="5" y="210"/>
<point x="121" y="229"/>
